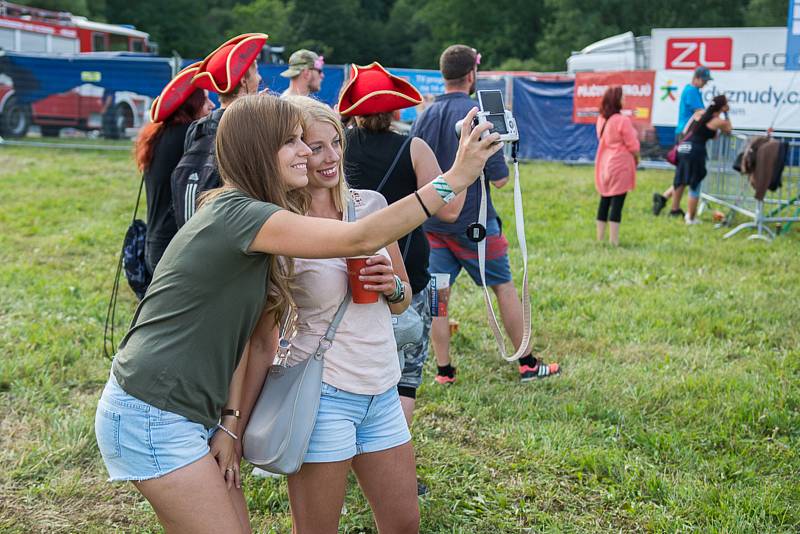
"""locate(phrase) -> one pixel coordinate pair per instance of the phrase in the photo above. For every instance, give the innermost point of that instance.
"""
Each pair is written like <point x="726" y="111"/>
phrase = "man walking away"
<point x="450" y="249"/>
<point x="231" y="72"/>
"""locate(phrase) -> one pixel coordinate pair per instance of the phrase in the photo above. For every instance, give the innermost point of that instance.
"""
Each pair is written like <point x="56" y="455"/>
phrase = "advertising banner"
<point x="428" y="82"/>
<point x="637" y="88"/>
<point x="719" y="49"/>
<point x="793" y="36"/>
<point x="756" y="102"/>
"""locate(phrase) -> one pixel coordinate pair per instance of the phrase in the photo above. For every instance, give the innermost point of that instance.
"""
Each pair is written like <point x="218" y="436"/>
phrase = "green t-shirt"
<point x="207" y="294"/>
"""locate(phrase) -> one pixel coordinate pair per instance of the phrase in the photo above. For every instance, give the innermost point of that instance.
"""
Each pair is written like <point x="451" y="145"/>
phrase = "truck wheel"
<point x="116" y="120"/>
<point x="50" y="131"/>
<point x="15" y="120"/>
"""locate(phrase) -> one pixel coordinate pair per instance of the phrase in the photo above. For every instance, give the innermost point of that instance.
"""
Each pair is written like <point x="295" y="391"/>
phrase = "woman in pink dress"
<point x="615" y="164"/>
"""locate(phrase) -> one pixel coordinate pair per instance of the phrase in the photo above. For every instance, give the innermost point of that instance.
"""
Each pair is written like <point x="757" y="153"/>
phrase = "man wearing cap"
<point x="691" y="101"/>
<point x="231" y="72"/>
<point x="451" y="251"/>
<point x="304" y="73"/>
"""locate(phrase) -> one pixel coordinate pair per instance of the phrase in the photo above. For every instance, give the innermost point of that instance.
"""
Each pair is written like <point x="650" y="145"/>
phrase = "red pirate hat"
<point x="224" y="68"/>
<point x="174" y="94"/>
<point x="372" y="89"/>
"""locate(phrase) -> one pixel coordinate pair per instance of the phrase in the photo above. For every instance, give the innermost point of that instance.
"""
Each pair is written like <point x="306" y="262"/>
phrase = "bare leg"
<point x="408" y="408"/>
<point x="388" y="479"/>
<point x="676" y="198"/>
<point x="193" y="500"/>
<point x="601" y="230"/>
<point x="613" y="233"/>
<point x="440" y="337"/>
<point x="510" y="311"/>
<point x="692" y="206"/>
<point x="668" y="192"/>
<point x="316" y="496"/>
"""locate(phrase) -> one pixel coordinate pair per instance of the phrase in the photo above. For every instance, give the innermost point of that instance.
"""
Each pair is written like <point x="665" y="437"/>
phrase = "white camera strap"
<point x="526" y="298"/>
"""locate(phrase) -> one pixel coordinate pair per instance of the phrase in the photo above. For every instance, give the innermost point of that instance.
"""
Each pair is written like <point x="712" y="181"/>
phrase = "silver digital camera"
<point x="492" y="110"/>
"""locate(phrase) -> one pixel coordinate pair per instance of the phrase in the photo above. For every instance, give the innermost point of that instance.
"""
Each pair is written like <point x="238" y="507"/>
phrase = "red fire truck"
<point x="30" y="29"/>
<point x="87" y="106"/>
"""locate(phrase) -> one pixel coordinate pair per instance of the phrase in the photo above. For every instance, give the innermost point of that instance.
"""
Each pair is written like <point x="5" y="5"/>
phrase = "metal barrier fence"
<point x="729" y="189"/>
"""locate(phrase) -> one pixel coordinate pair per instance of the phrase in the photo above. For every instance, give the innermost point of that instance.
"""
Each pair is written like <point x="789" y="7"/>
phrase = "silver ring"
<point x="229" y="469"/>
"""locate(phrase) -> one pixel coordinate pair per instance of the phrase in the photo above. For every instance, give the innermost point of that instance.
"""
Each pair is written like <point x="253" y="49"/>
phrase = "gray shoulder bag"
<point x="277" y="435"/>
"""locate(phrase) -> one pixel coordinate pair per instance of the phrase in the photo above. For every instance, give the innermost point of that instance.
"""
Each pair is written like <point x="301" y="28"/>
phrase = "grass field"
<point x="678" y="409"/>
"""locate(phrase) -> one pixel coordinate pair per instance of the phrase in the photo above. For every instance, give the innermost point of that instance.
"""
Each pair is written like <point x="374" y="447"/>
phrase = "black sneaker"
<point x="659" y="201"/>
<point x="422" y="489"/>
<point x="677" y="213"/>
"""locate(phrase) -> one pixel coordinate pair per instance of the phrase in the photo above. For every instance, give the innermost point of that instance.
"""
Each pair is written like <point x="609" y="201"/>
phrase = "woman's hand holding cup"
<point x="369" y="276"/>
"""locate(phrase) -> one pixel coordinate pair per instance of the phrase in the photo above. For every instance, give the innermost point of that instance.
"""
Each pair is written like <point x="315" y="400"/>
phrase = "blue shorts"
<point x="349" y="424"/>
<point x="451" y="252"/>
<point x="139" y="441"/>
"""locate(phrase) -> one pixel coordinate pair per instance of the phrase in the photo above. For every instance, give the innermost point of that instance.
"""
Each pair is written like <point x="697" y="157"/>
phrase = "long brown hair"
<point x="151" y="132"/>
<point x="250" y="133"/>
<point x="612" y="101"/>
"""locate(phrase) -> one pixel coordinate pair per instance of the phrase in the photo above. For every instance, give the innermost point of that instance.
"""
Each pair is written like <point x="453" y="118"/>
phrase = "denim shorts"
<point x="349" y="424"/>
<point x="139" y="441"/>
<point x="452" y="252"/>
<point x="416" y="354"/>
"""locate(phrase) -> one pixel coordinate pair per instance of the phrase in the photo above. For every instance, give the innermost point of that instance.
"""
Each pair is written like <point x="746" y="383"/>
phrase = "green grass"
<point x="678" y="409"/>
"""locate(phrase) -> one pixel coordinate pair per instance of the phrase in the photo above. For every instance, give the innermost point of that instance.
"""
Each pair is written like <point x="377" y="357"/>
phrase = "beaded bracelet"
<point x="231" y="434"/>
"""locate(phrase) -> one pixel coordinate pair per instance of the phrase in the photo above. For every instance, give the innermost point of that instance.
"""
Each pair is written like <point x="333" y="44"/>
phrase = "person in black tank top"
<point x="380" y="159"/>
<point x="691" y="168"/>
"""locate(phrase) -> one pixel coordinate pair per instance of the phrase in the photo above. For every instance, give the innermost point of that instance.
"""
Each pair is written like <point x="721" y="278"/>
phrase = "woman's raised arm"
<point x="289" y="234"/>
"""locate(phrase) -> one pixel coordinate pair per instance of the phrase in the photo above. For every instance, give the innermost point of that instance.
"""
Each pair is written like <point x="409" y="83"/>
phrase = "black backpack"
<point x="197" y="170"/>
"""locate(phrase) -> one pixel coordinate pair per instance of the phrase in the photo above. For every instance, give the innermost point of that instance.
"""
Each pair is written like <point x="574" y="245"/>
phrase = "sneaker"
<point x="691" y="222"/>
<point x="677" y="213"/>
<point x="540" y="370"/>
<point x="659" y="201"/>
<point x="422" y="489"/>
<point x="260" y="473"/>
<point x="444" y="380"/>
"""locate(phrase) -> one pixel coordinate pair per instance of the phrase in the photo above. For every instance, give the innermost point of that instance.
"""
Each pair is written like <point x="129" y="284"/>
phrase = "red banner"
<point x="637" y="88"/>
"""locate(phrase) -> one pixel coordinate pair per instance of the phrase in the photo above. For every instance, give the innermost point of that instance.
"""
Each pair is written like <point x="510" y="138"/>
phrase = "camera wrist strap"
<point x="526" y="299"/>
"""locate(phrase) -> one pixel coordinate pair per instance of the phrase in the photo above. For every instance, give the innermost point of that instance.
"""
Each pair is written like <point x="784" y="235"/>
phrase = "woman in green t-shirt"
<point x="167" y="419"/>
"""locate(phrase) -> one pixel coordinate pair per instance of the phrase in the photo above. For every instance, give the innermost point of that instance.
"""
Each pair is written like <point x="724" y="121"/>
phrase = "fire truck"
<point x="59" y="70"/>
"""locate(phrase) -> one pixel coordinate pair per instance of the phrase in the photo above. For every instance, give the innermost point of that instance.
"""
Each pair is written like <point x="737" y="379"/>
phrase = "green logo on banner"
<point x="91" y="76"/>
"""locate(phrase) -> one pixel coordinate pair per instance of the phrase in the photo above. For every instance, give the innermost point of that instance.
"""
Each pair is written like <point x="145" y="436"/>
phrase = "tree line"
<point x="509" y="34"/>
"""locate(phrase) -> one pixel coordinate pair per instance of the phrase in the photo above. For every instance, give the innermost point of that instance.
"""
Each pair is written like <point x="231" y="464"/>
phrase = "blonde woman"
<point x="177" y="379"/>
<point x="360" y="423"/>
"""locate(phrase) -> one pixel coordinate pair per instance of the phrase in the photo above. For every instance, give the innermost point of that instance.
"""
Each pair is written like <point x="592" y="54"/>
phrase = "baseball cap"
<point x="301" y="60"/>
<point x="703" y="73"/>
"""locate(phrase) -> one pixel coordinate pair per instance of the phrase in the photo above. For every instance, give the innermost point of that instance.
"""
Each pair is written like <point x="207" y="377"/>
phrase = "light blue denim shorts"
<point x="349" y="424"/>
<point x="139" y="441"/>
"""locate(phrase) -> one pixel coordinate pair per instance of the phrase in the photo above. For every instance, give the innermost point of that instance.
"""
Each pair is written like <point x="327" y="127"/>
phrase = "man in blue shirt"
<point x="450" y="249"/>
<point x="691" y="102"/>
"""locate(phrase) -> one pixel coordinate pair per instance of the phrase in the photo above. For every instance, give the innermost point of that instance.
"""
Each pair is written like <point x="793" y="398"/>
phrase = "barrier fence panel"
<point x="726" y="187"/>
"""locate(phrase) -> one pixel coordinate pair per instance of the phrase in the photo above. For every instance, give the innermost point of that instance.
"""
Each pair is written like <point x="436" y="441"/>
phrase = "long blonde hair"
<point x="315" y="111"/>
<point x="250" y="133"/>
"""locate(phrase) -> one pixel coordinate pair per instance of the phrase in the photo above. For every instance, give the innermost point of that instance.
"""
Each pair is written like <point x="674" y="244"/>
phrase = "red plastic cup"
<point x="360" y="295"/>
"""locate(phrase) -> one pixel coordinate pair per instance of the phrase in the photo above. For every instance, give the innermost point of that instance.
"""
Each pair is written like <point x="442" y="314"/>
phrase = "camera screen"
<point x="498" y="123"/>
<point x="491" y="101"/>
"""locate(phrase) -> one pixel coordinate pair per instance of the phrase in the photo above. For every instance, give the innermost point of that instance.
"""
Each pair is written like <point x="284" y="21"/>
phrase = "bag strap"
<point x="603" y="129"/>
<point x="386" y="178"/>
<point x="111" y="311"/>
<point x="327" y="340"/>
<point x="394" y="164"/>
